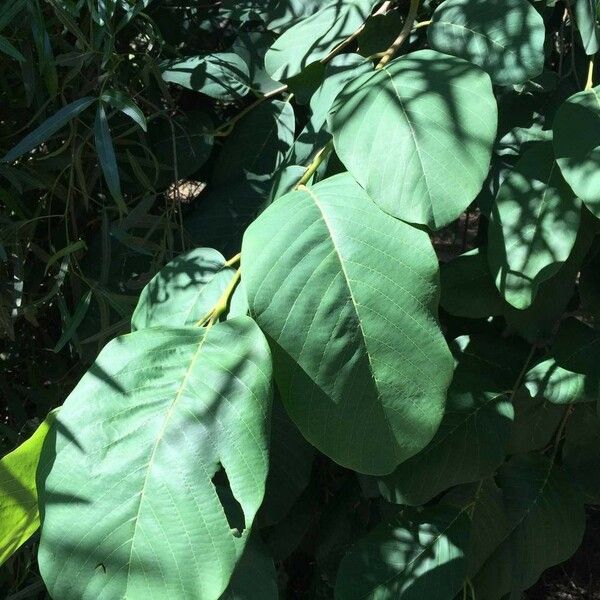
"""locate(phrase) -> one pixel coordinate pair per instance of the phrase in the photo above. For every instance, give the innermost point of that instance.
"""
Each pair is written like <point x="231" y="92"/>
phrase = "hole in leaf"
<point x="233" y="509"/>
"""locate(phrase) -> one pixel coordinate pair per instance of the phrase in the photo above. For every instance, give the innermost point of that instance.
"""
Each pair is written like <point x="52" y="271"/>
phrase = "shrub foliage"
<point x="345" y="258"/>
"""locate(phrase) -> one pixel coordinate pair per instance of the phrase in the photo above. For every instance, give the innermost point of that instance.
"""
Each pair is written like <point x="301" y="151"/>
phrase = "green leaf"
<point x="290" y="466"/>
<point x="576" y="348"/>
<point x="586" y="17"/>
<point x="468" y="289"/>
<point x="577" y="145"/>
<point x="7" y="48"/>
<point x="155" y="488"/>
<point x="536" y="421"/>
<point x="126" y="105"/>
<point x="314" y="37"/>
<point x="533" y="204"/>
<point x="489" y="524"/>
<point x="48" y="128"/>
<point x="469" y="445"/>
<point x="252" y="46"/>
<point x="107" y="158"/>
<point x="19" y="518"/>
<point x="348" y="296"/>
<point x="222" y="75"/>
<point x="184" y="291"/>
<point x="257" y="145"/>
<point x="70" y="249"/>
<point x="547" y="519"/>
<point x="503" y="37"/>
<point x="315" y="134"/>
<point x="557" y="385"/>
<point x="581" y="452"/>
<point x="74" y="322"/>
<point x="254" y="575"/>
<point x="413" y="556"/>
<point x="418" y="135"/>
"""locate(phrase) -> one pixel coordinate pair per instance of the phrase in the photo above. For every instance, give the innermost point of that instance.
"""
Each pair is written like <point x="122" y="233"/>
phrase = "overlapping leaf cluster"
<point x="376" y="351"/>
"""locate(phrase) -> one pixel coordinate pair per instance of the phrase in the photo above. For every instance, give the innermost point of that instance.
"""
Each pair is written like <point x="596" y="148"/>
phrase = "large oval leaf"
<point x="314" y="37"/>
<point x="533" y="226"/>
<point x="418" y="135"/>
<point x="503" y="37"/>
<point x="349" y="296"/>
<point x="546" y="519"/>
<point x="413" y="557"/>
<point x="129" y="480"/>
<point x="577" y="145"/>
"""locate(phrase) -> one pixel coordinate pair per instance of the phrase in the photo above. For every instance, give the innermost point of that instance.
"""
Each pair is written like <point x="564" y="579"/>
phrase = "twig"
<point x="397" y="43"/>
<point x="222" y="303"/>
<point x="315" y="164"/>
<point x="590" y="78"/>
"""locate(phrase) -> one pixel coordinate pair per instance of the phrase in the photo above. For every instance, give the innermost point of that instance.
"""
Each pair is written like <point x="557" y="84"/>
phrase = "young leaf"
<point x="348" y="296"/>
<point x="184" y="291"/>
<point x="533" y="226"/>
<point x="19" y="516"/>
<point x="222" y="75"/>
<point x="106" y="157"/>
<point x="503" y="37"/>
<point x="314" y="37"/>
<point x="418" y="135"/>
<point x="48" y="128"/>
<point x="413" y="556"/>
<point x="74" y="322"/>
<point x="132" y="486"/>
<point x="577" y="145"/>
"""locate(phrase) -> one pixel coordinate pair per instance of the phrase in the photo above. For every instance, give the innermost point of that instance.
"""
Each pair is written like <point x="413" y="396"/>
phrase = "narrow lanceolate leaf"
<point x="48" y="128"/>
<point x="577" y="145"/>
<point x="126" y="105"/>
<point x="547" y="520"/>
<point x="349" y="295"/>
<point x="313" y="38"/>
<point x="586" y="17"/>
<point x="7" y="48"/>
<point x="418" y="135"/>
<point x="557" y="385"/>
<point x="107" y="158"/>
<point x="19" y="517"/>
<point x="533" y="226"/>
<point x="503" y="37"/>
<point x="413" y="556"/>
<point x="184" y="291"/>
<point x="222" y="75"/>
<point x="139" y="489"/>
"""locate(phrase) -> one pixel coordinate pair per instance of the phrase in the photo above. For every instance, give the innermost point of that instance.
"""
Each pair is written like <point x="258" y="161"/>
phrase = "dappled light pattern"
<point x="533" y="226"/>
<point x="418" y="135"/>
<point x="315" y="36"/>
<point x="328" y="278"/>
<point x="139" y="473"/>
<point x="504" y="37"/>
<point x="414" y="556"/>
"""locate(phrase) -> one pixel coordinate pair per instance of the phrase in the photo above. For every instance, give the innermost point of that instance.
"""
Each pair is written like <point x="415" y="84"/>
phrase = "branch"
<point x="408" y="25"/>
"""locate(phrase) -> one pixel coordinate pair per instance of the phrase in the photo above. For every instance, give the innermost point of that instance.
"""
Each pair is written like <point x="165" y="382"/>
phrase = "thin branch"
<point x="315" y="164"/>
<point x="590" y="78"/>
<point x="397" y="43"/>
